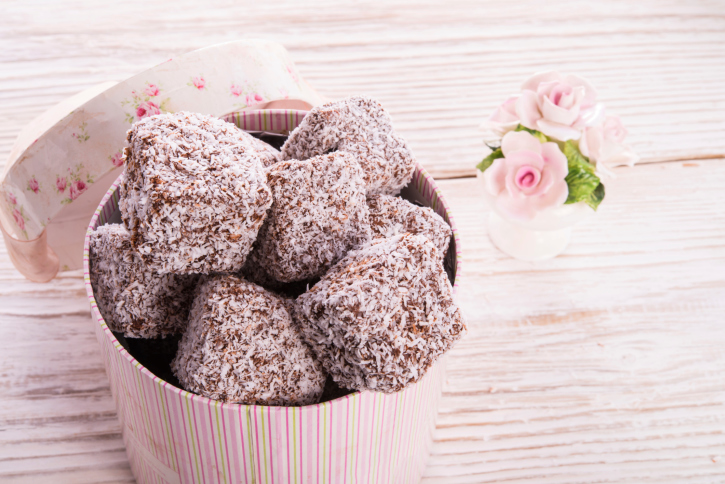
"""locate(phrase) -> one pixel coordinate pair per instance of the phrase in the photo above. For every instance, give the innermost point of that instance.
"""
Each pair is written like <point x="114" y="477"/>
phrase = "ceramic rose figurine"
<point x="550" y="144"/>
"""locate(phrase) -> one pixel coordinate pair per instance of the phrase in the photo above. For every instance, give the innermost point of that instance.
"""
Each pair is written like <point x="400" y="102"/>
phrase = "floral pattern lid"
<point x="64" y="161"/>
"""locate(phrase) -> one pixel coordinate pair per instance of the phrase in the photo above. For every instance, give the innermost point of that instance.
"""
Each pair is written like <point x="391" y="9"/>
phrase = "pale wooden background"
<point x="606" y="364"/>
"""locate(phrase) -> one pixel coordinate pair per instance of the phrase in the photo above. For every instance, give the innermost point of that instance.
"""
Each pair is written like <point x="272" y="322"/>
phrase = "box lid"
<point x="64" y="161"/>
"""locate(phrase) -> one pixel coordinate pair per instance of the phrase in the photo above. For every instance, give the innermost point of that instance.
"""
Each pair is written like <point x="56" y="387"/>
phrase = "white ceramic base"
<point x="526" y="244"/>
<point x="543" y="237"/>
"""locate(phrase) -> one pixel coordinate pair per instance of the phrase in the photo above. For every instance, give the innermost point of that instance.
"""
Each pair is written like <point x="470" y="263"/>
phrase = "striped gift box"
<point x="173" y="436"/>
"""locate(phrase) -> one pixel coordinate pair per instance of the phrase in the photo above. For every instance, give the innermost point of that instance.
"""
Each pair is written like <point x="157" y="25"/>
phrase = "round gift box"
<point x="173" y="436"/>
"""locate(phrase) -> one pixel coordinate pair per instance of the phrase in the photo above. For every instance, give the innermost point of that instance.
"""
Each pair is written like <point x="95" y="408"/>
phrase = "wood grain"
<point x="439" y="68"/>
<point x="603" y="365"/>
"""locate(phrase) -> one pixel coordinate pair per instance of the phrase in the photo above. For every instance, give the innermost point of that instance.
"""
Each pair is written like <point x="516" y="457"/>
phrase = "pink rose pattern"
<point x="146" y="109"/>
<point x="144" y="104"/>
<point x="116" y="158"/>
<point x="253" y="99"/>
<point x="152" y="90"/>
<point x="17" y="212"/>
<point x="81" y="136"/>
<point x="33" y="185"/>
<point x="293" y="74"/>
<point x="75" y="182"/>
<point x="19" y="218"/>
<point x="60" y="183"/>
<point x="198" y="82"/>
<point x="76" y="188"/>
<point x="249" y="95"/>
<point x="236" y="90"/>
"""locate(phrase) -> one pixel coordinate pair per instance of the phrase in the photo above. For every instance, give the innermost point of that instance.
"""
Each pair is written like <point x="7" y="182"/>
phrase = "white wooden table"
<point x="606" y="364"/>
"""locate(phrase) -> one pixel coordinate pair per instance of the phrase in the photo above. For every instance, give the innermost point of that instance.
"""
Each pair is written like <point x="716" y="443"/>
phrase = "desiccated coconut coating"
<point x="358" y="125"/>
<point x="241" y="346"/>
<point x="382" y="315"/>
<point x="132" y="298"/>
<point x="195" y="193"/>
<point x="268" y="155"/>
<point x="319" y="213"/>
<point x="392" y="215"/>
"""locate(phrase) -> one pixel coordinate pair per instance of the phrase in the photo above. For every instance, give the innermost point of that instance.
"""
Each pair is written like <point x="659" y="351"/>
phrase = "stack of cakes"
<point x="277" y="269"/>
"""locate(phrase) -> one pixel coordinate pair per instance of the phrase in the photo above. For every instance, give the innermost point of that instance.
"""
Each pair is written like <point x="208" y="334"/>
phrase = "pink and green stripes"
<point x="271" y="120"/>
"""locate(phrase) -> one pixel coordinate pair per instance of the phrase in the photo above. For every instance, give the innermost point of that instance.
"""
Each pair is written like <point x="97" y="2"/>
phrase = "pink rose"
<point x="151" y="90"/>
<point x="558" y="106"/>
<point x="117" y="159"/>
<point x="503" y="119"/>
<point x="61" y="182"/>
<point x="76" y="188"/>
<point x="33" y="185"/>
<point x="19" y="219"/>
<point x="11" y="198"/>
<point x="603" y="145"/>
<point x="253" y="99"/>
<point x="236" y="90"/>
<point x="146" y="109"/>
<point x="529" y="178"/>
<point x="199" y="82"/>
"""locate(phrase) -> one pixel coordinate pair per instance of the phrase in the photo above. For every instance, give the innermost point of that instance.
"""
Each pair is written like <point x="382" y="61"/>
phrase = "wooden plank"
<point x="440" y="69"/>
<point x="604" y="364"/>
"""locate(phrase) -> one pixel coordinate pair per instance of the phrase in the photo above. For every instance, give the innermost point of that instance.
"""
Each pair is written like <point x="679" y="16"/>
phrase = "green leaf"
<point x="596" y="197"/>
<point x="488" y="161"/>
<point x="584" y="185"/>
<point x="537" y="134"/>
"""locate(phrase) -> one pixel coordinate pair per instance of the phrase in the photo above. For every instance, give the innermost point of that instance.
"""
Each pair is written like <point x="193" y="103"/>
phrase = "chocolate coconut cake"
<point x="268" y="155"/>
<point x="360" y="126"/>
<point x="319" y="213"/>
<point x="133" y="299"/>
<point x="195" y="193"/>
<point x="390" y="216"/>
<point x="241" y="346"/>
<point x="382" y="315"/>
